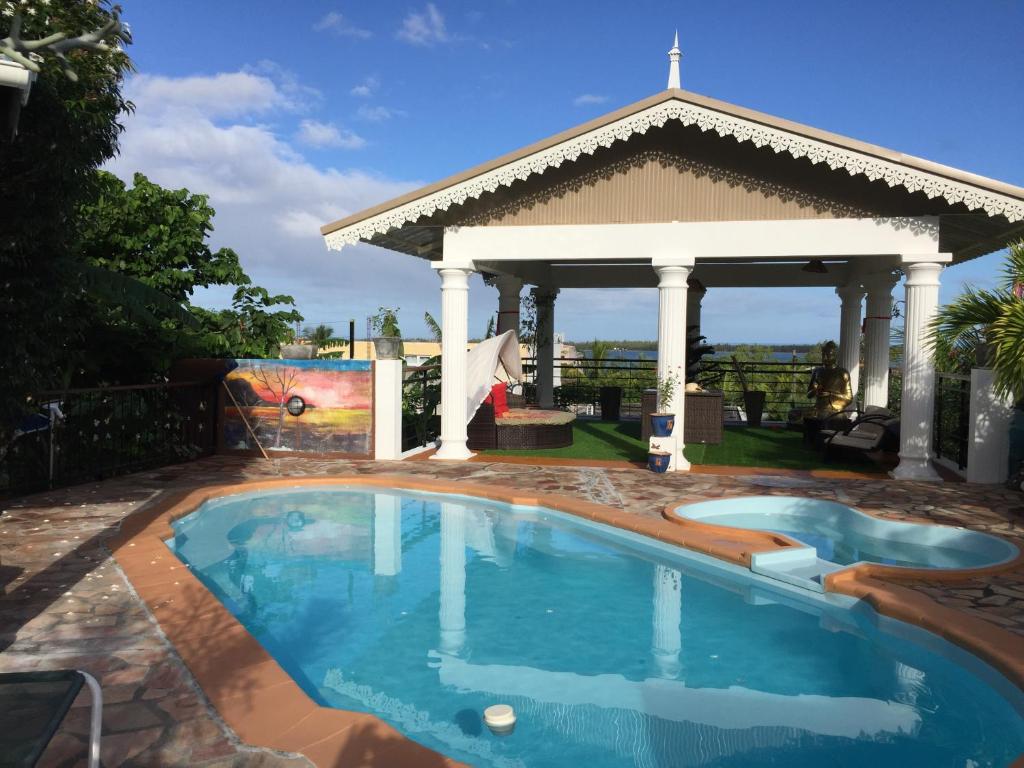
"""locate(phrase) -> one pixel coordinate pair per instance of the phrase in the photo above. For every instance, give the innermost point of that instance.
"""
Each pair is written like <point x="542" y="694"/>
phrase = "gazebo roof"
<point x="976" y="214"/>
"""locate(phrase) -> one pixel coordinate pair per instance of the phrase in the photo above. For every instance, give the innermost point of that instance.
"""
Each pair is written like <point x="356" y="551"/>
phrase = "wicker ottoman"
<point x="523" y="429"/>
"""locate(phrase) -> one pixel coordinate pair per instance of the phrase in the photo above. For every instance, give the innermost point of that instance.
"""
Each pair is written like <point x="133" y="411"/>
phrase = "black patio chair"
<point x="864" y="435"/>
<point x="32" y="707"/>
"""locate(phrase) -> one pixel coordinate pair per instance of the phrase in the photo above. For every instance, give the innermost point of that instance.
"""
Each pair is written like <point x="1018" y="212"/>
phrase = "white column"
<point x="387" y="534"/>
<point x="988" y="447"/>
<point x="917" y="403"/>
<point x="387" y="409"/>
<point x="877" y="321"/>
<point x="672" y="291"/>
<point x="849" y="332"/>
<point x="452" y="613"/>
<point x="545" y="299"/>
<point x="454" y="337"/>
<point x="667" y="641"/>
<point x="509" y="288"/>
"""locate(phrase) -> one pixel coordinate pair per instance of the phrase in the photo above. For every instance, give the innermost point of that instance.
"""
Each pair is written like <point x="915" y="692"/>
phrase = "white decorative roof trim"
<point x="855" y="163"/>
<point x="668" y="160"/>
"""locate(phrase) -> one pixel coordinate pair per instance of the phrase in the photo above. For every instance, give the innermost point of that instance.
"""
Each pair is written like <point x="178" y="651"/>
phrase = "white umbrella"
<point x="493" y="359"/>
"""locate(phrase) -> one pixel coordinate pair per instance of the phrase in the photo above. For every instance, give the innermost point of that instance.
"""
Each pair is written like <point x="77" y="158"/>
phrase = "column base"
<point x="915" y="469"/>
<point x="453" y="451"/>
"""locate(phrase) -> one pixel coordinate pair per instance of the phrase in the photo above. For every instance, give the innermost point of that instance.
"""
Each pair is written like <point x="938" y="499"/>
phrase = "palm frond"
<point x="1013" y="269"/>
<point x="956" y="327"/>
<point x="1006" y="338"/>
<point x="432" y="326"/>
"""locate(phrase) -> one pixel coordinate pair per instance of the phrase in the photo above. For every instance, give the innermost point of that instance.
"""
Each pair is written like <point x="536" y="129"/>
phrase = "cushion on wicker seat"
<point x="523" y="416"/>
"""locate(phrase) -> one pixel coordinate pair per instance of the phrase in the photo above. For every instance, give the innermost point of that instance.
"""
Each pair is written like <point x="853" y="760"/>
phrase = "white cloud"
<point x="377" y="114"/>
<point x="366" y="88"/>
<point x="424" y="28"/>
<point x="220" y="96"/>
<point x="270" y="200"/>
<point x="316" y="134"/>
<point x="589" y="98"/>
<point x="337" y="24"/>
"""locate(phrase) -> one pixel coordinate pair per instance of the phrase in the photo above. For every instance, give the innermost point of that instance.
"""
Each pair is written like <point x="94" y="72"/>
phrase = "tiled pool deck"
<point x="67" y="604"/>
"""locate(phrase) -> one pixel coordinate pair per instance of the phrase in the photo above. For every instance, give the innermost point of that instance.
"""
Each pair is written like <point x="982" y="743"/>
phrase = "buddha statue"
<point x="830" y="386"/>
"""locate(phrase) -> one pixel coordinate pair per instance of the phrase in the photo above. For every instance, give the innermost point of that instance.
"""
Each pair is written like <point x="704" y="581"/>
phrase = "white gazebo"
<point x="681" y="190"/>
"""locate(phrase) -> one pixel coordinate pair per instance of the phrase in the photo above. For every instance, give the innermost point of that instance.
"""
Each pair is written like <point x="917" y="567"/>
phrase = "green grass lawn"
<point x="741" y="447"/>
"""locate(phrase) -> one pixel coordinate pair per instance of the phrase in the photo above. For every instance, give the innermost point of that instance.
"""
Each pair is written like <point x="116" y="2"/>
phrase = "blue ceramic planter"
<point x="658" y="462"/>
<point x="662" y="424"/>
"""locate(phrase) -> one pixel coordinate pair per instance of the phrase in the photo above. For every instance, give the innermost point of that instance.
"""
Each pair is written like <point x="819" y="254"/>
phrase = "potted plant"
<point x="658" y="460"/>
<point x="388" y="341"/>
<point x="662" y="423"/>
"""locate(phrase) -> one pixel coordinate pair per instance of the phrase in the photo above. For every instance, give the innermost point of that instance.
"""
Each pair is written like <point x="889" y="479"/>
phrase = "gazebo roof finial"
<point x="673" y="68"/>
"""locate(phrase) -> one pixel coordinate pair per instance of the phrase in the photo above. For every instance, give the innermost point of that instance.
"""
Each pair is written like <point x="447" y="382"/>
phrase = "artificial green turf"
<point x="740" y="447"/>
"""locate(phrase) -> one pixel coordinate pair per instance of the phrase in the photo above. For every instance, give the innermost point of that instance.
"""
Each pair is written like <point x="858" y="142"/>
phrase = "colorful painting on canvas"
<point x="311" y="406"/>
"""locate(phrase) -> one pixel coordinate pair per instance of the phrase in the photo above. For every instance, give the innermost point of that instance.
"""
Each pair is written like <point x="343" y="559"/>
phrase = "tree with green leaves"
<point x="321" y="336"/>
<point x="990" y="320"/>
<point x="151" y="245"/>
<point x="254" y="326"/>
<point x="157" y="235"/>
<point x="67" y="129"/>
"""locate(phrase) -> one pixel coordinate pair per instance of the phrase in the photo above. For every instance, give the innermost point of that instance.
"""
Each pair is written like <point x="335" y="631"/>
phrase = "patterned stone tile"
<point x="65" y="603"/>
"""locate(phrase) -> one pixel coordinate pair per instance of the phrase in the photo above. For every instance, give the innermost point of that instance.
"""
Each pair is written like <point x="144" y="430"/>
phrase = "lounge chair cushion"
<point x="499" y="399"/>
<point x="523" y="416"/>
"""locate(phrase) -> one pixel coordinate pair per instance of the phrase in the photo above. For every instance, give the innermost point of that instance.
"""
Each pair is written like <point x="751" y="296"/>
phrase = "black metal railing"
<point x="895" y="389"/>
<point x="783" y="382"/>
<point x="579" y="383"/>
<point x="421" y="394"/>
<point x="80" y="435"/>
<point x="951" y="425"/>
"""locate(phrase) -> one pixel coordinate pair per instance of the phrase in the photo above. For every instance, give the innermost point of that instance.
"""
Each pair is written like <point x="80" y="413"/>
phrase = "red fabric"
<point x="499" y="398"/>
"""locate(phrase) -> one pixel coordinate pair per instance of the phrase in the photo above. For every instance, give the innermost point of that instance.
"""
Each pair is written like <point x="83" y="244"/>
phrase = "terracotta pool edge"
<point x="256" y="714"/>
<point x="872" y="583"/>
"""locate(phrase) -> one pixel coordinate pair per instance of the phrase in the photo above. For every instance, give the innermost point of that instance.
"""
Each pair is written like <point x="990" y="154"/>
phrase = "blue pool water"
<point x="614" y="650"/>
<point x="844" y="536"/>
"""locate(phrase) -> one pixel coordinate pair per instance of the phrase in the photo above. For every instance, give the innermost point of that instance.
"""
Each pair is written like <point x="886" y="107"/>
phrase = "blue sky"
<point x="291" y="115"/>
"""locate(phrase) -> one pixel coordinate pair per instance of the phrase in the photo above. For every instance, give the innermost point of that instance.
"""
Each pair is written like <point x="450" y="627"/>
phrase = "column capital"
<point x="880" y="282"/>
<point x="454" y="278"/>
<point x="852" y="292"/>
<point x="543" y="294"/>
<point x="673" y="275"/>
<point x="507" y="283"/>
<point x="922" y="273"/>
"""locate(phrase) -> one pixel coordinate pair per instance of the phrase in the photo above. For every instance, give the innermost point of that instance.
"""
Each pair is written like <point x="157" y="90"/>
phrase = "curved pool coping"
<point x="266" y="708"/>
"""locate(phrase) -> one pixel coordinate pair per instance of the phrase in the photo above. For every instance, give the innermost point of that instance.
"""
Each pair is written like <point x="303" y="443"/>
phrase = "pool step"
<point x="799" y="566"/>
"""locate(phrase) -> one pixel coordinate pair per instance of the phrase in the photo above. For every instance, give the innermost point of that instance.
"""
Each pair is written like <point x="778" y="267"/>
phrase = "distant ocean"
<point x="652" y="354"/>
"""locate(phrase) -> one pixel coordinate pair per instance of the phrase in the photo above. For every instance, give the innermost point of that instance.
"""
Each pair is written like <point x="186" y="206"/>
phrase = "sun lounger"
<point x="32" y="707"/>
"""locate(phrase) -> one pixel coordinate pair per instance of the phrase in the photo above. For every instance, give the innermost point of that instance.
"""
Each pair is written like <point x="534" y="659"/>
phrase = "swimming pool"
<point x="844" y="536"/>
<point x="614" y="650"/>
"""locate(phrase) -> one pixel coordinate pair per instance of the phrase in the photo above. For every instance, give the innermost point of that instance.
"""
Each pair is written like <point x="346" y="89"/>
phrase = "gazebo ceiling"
<point x="677" y="156"/>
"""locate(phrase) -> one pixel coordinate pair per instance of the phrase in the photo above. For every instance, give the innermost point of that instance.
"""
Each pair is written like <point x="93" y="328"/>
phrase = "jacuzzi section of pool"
<point x="614" y="650"/>
<point x="839" y="536"/>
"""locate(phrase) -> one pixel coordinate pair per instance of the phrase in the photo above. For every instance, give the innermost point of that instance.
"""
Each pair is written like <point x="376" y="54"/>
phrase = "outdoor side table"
<point x="32" y="707"/>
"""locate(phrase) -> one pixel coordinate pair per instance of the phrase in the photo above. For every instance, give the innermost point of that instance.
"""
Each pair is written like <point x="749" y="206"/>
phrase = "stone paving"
<point x="65" y="603"/>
